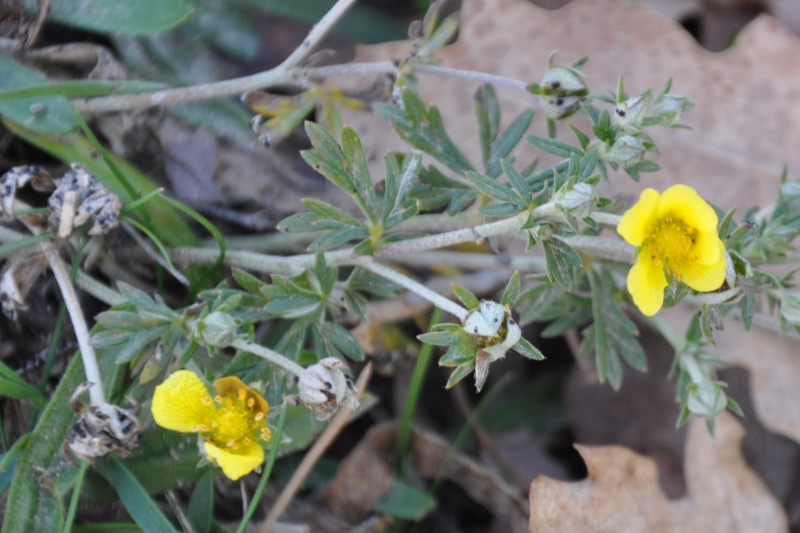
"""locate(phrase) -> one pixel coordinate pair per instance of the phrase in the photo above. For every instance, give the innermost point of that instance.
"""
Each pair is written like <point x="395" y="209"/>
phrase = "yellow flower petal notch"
<point x="675" y="234"/>
<point x="231" y="423"/>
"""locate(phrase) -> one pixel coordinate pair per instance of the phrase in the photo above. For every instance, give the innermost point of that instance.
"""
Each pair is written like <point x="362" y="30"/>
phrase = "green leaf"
<point x="511" y="293"/>
<point x="439" y="338"/>
<point x="343" y="340"/>
<point x="326" y="210"/>
<point x="613" y="333"/>
<point x="466" y="296"/>
<point x="460" y="373"/>
<point x="510" y="138"/>
<point x="423" y="128"/>
<point x="43" y="114"/>
<point x="336" y="238"/>
<point x="13" y="386"/>
<point x="487" y="110"/>
<point x="201" y="506"/>
<point x="748" y="310"/>
<point x="405" y="502"/>
<point x="33" y="506"/>
<point x="293" y="306"/>
<point x="356" y="164"/>
<point x="516" y="181"/>
<point x="553" y="146"/>
<point x="138" y="341"/>
<point x="491" y="188"/>
<point x="526" y="349"/>
<point x="560" y="261"/>
<point x="110" y="16"/>
<point x="134" y="497"/>
<point x="250" y="283"/>
<point x="409" y="173"/>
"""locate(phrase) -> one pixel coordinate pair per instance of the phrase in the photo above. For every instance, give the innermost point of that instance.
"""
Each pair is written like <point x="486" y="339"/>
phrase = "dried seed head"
<point x="324" y="387"/>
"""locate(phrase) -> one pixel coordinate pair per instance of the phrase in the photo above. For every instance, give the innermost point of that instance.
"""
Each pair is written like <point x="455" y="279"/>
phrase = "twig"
<point x="314" y="453"/>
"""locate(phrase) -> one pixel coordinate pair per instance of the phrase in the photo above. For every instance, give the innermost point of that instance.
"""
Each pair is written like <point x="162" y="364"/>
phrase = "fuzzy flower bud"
<point x="324" y="387"/>
<point x="706" y="399"/>
<point x="578" y="200"/>
<point x="670" y="107"/>
<point x="216" y="329"/>
<point x="561" y="91"/>
<point x="626" y="151"/>
<point x="630" y="113"/>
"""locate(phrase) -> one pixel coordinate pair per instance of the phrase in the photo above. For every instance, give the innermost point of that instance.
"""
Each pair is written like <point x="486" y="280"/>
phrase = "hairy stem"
<point x="92" y="370"/>
<point x="269" y="355"/>
<point x="394" y="276"/>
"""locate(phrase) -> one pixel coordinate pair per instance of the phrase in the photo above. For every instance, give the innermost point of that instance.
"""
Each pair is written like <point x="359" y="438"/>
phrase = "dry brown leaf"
<point x="746" y="121"/>
<point x="622" y="492"/>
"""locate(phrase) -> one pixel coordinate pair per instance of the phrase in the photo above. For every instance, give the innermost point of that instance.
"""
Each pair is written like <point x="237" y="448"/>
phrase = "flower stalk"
<point x="91" y="368"/>
<point x="270" y="355"/>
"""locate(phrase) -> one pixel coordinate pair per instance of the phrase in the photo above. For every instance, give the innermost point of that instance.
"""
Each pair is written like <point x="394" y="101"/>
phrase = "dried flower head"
<point x="675" y="234"/>
<point x="231" y="424"/>
<point x="324" y="386"/>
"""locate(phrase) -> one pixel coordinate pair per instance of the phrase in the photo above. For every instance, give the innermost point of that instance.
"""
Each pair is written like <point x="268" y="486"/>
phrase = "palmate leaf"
<point x="494" y="145"/>
<point x="613" y="335"/>
<point x="561" y="261"/>
<point x="435" y="190"/>
<point x="423" y="129"/>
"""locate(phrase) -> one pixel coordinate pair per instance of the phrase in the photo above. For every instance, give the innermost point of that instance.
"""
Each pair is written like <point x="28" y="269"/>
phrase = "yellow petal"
<point x="637" y="221"/>
<point x="178" y="402"/>
<point x="646" y="283"/>
<point x="707" y="248"/>
<point x="231" y="385"/>
<point x="682" y="202"/>
<point x="704" y="278"/>
<point x="236" y="465"/>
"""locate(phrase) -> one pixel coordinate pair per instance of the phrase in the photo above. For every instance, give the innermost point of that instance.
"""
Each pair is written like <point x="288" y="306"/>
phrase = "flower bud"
<point x="561" y="91"/>
<point x="626" y="151"/>
<point x="630" y="113"/>
<point x="706" y="399"/>
<point x="578" y="200"/>
<point x="216" y="329"/>
<point x="670" y="107"/>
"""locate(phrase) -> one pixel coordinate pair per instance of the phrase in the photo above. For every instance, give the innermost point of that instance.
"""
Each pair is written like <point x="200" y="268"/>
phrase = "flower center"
<point x="236" y="421"/>
<point x="671" y="242"/>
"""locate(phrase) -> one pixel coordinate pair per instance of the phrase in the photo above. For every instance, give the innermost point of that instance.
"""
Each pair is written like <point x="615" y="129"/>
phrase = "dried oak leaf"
<point x="622" y="491"/>
<point x="746" y="122"/>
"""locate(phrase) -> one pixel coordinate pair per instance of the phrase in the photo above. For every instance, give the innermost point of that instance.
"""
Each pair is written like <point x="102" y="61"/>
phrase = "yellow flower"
<point x="231" y="423"/>
<point x="675" y="233"/>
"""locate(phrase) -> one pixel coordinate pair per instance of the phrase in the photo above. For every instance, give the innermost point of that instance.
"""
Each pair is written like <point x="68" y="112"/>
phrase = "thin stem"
<point x="604" y="248"/>
<point x="451" y="238"/>
<point x="269" y="355"/>
<point x="414" y="286"/>
<point x="478" y="77"/>
<point x="90" y="366"/>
